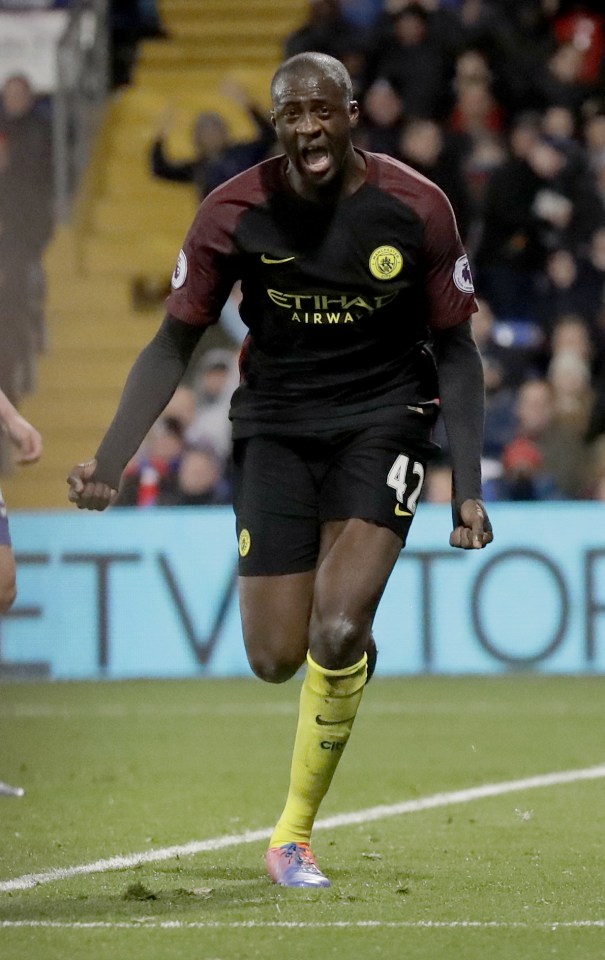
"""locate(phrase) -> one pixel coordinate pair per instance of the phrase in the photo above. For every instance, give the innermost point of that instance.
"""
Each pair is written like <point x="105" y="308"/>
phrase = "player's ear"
<point x="353" y="112"/>
<point x="272" y="119"/>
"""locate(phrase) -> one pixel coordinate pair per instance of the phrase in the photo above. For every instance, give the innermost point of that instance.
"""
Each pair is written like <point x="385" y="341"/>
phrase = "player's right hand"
<point x="86" y="492"/>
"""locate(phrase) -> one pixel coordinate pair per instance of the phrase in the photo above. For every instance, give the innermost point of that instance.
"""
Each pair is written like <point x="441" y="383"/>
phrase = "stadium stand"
<point x="127" y="223"/>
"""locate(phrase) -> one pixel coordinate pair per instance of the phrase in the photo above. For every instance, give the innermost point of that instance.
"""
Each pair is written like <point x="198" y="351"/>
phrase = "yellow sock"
<point x="328" y="704"/>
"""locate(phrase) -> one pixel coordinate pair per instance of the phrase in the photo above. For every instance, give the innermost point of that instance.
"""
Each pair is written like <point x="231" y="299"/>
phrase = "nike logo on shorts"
<point x="401" y="513"/>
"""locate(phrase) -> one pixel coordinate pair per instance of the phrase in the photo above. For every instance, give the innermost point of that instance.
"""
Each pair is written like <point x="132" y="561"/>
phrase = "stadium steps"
<point x="127" y="223"/>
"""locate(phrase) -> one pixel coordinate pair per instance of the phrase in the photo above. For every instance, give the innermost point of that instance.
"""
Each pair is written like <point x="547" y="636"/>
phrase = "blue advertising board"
<point x="153" y="593"/>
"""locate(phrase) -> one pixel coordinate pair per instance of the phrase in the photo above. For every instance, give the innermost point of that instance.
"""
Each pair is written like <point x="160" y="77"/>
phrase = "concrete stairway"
<point x="126" y="223"/>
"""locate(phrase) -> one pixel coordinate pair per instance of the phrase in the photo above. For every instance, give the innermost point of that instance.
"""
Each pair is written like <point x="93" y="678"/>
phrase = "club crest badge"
<point x="244" y="543"/>
<point x="180" y="271"/>
<point x="385" y="262"/>
<point x="463" y="277"/>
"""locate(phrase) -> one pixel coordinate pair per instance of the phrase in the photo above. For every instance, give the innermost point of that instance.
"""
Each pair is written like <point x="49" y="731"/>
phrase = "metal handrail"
<point x="80" y="98"/>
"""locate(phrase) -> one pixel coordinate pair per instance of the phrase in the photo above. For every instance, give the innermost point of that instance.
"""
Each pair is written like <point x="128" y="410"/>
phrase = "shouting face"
<point x="313" y="118"/>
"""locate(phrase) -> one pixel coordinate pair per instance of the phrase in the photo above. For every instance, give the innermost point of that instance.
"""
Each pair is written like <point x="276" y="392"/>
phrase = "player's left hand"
<point x="473" y="530"/>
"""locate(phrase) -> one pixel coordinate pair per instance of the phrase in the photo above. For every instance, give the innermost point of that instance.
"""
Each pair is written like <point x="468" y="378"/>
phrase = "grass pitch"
<point x="113" y="771"/>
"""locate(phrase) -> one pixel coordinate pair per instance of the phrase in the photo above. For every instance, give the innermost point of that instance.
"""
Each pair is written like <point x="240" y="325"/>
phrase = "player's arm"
<point x="154" y="377"/>
<point x="25" y="437"/>
<point x="463" y="410"/>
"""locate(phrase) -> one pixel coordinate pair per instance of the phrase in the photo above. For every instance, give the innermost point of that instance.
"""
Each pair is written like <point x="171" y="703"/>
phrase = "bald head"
<point x="316" y="65"/>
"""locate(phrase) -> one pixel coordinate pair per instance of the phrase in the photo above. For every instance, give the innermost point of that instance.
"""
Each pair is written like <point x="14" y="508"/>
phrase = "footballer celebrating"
<point x="357" y="295"/>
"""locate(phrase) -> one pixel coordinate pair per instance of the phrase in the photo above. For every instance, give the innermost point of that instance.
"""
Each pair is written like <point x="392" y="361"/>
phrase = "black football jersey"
<point x="340" y="300"/>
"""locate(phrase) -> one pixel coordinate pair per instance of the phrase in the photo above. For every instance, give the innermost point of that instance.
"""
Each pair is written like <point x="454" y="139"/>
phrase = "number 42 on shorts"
<point x="406" y="478"/>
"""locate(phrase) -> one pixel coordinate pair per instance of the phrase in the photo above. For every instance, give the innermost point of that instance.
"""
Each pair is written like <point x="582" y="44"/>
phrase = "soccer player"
<point x="357" y="295"/>
<point x="29" y="443"/>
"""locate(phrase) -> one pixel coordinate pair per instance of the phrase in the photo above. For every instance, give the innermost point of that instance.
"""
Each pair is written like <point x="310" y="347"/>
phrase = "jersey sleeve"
<point x="449" y="282"/>
<point x="206" y="268"/>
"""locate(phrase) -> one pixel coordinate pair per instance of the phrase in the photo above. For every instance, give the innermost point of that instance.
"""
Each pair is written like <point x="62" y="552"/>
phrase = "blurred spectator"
<point x="573" y="397"/>
<point x="214" y="381"/>
<point x="582" y="25"/>
<point x="559" y="123"/>
<point x="201" y="479"/>
<point x="476" y="126"/>
<point x="353" y="52"/>
<point x="521" y="42"/>
<point x="326" y="30"/>
<point x="566" y="203"/>
<point x="182" y="406"/>
<point x="130" y="21"/>
<point x="475" y="110"/>
<point x="151" y="478"/>
<point x="508" y="254"/>
<point x="572" y="333"/>
<point x="560" y="83"/>
<point x="563" y="289"/>
<point x="524" y="476"/>
<point x="561" y="446"/>
<point x="216" y="156"/>
<point x="382" y="118"/>
<point x="422" y="145"/>
<point x="414" y="63"/>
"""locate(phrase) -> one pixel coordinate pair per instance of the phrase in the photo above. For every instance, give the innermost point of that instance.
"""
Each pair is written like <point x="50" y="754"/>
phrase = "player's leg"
<point x="355" y="562"/>
<point x="349" y="583"/>
<point x="328" y="534"/>
<point x="275" y="612"/>
<point x="8" y="592"/>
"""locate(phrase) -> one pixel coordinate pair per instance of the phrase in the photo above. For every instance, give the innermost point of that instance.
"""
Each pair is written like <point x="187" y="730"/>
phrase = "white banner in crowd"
<point x="28" y="45"/>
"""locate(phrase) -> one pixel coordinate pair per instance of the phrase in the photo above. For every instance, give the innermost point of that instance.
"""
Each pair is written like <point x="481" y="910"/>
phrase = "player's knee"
<point x="334" y="639"/>
<point x="8" y="595"/>
<point x="273" y="669"/>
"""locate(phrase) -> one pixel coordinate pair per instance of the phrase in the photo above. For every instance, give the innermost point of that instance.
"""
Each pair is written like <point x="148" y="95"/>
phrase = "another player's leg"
<point x="8" y="592"/>
<point x="349" y="583"/>
<point x="8" y="575"/>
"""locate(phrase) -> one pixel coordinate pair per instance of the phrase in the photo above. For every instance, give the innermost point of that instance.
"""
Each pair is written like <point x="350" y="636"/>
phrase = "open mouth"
<point x="317" y="160"/>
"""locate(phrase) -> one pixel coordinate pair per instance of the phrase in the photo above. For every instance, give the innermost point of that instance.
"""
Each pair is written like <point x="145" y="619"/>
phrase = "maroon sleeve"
<point x="449" y="283"/>
<point x="206" y="268"/>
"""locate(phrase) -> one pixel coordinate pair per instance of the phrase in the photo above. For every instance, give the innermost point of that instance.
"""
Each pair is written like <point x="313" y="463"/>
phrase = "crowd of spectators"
<point x="502" y="104"/>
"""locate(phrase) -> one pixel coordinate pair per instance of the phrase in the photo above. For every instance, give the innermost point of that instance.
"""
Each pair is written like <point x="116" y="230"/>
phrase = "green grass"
<point x="121" y="768"/>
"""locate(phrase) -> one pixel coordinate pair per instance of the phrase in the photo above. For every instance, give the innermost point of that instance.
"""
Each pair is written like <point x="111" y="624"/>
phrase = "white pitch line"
<point x="144" y="924"/>
<point x="368" y="815"/>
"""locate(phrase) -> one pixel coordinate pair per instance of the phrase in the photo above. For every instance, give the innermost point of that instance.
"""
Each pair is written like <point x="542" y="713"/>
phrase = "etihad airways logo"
<point x="322" y="308"/>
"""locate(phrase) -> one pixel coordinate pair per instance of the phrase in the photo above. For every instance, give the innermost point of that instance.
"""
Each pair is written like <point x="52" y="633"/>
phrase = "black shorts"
<point x="286" y="487"/>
